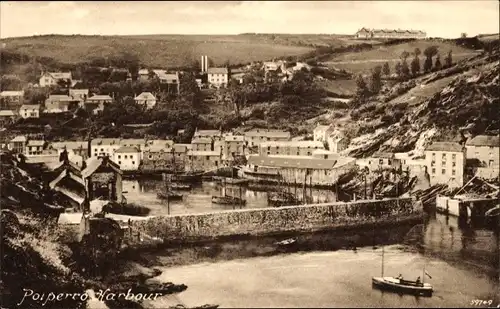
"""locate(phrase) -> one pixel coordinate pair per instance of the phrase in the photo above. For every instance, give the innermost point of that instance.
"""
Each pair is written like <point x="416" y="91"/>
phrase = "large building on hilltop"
<point x="366" y="33"/>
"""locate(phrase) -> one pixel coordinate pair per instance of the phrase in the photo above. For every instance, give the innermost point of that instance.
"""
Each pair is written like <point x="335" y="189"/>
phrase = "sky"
<point x="438" y="18"/>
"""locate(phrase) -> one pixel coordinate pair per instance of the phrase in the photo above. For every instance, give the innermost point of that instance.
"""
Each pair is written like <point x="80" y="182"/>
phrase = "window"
<point x="443" y="163"/>
<point x="433" y="155"/>
<point x="326" y="172"/>
<point x="133" y="162"/>
<point x="453" y="164"/>
<point x="102" y="149"/>
<point x="326" y="157"/>
<point x="150" y="157"/>
<point x="434" y="171"/>
<point x="119" y="157"/>
<point x="208" y="157"/>
<point x="453" y="172"/>
<point x="388" y="161"/>
<point x="443" y="171"/>
<point x="125" y="156"/>
<point x="381" y="161"/>
<point x="453" y="156"/>
<point x="120" y="162"/>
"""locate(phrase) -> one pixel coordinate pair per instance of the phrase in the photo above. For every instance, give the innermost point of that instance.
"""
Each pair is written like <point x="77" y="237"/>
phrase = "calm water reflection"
<point x="198" y="199"/>
<point x="463" y="261"/>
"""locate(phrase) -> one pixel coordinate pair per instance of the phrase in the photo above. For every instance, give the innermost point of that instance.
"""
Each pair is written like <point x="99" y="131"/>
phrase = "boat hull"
<point x="392" y="284"/>
<point x="171" y="197"/>
<point x="226" y="200"/>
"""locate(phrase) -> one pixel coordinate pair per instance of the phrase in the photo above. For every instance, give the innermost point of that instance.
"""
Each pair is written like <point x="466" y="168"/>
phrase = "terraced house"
<point x="366" y="33"/>
<point x="445" y="163"/>
<point x="104" y="147"/>
<point x="289" y="148"/>
<point x="254" y="137"/>
<point x="53" y="78"/>
<point x="30" y="111"/>
<point x="483" y="155"/>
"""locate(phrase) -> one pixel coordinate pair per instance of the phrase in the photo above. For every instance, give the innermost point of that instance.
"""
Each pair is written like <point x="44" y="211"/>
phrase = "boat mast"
<point x="382" y="261"/>
<point x="423" y="247"/>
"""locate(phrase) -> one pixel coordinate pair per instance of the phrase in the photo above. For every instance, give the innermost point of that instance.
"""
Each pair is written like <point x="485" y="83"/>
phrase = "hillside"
<point x="436" y="106"/>
<point x="364" y="61"/>
<point x="173" y="50"/>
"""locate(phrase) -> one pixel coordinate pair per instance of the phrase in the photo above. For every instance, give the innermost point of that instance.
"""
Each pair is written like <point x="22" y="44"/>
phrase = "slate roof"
<point x="7" y="113"/>
<point x="70" y="145"/>
<point x="234" y="138"/>
<point x="94" y="163"/>
<point x="201" y="140"/>
<point x="445" y="146"/>
<point x="30" y="106"/>
<point x="10" y="93"/>
<point x="127" y="149"/>
<point x="100" y="98"/>
<point x="484" y="140"/>
<point x="36" y="143"/>
<point x="60" y="75"/>
<point x="145" y="96"/>
<point x="292" y="162"/>
<point x="268" y="133"/>
<point x="218" y="71"/>
<point x="19" y="138"/>
<point x="299" y="144"/>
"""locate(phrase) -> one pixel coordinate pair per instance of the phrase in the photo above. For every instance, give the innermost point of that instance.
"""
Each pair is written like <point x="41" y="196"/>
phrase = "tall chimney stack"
<point x="206" y="63"/>
<point x="202" y="64"/>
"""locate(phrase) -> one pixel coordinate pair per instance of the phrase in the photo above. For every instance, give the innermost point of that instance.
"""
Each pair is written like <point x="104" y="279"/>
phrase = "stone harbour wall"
<point x="269" y="221"/>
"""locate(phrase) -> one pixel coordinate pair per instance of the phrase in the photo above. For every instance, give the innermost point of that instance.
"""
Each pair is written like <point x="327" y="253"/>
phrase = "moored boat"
<point x="188" y="177"/>
<point x="402" y="286"/>
<point x="493" y="212"/>
<point x="228" y="200"/>
<point x="286" y="242"/>
<point x="170" y="195"/>
<point x="278" y="199"/>
<point x="180" y="186"/>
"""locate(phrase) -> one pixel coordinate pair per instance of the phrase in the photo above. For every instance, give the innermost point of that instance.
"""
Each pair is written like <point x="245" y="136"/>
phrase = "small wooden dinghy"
<point x="286" y="242"/>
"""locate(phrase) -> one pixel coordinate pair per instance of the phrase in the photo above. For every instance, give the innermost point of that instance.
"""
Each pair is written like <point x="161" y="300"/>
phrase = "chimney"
<point x="206" y="63"/>
<point x="202" y="64"/>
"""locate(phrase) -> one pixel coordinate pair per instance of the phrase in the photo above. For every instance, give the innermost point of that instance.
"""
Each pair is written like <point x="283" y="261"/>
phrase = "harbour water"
<point x="199" y="198"/>
<point x="462" y="260"/>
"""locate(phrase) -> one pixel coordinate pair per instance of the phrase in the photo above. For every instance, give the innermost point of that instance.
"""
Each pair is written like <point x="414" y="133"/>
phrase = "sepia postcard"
<point x="249" y="154"/>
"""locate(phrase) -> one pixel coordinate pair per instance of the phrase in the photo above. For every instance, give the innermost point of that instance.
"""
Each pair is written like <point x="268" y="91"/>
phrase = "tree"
<point x="386" y="69"/>
<point x="463" y="35"/>
<point x="415" y="66"/>
<point x="64" y="83"/>
<point x="437" y="64"/>
<point x="417" y="52"/>
<point x="376" y="80"/>
<point x="405" y="70"/>
<point x="429" y="52"/>
<point x="362" y="89"/>
<point x="397" y="69"/>
<point x="448" y="60"/>
<point x="404" y="55"/>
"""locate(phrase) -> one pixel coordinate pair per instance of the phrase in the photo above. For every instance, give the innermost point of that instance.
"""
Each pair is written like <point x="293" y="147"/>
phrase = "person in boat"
<point x="418" y="280"/>
<point x="400" y="277"/>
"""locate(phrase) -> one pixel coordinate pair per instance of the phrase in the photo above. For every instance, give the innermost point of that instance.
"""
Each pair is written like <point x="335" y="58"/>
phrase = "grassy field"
<point x="174" y="50"/>
<point x="363" y="62"/>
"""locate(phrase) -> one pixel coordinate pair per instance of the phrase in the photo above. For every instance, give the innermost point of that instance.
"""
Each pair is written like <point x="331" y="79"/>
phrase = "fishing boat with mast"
<point x="402" y="286"/>
<point x="228" y="200"/>
<point x="167" y="192"/>
<point x="282" y="197"/>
